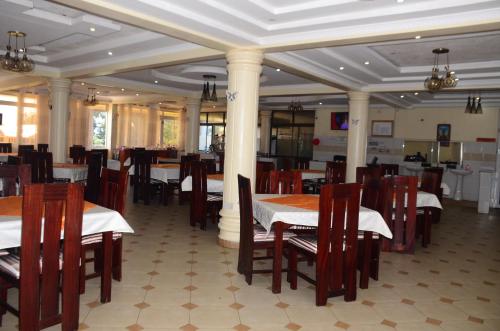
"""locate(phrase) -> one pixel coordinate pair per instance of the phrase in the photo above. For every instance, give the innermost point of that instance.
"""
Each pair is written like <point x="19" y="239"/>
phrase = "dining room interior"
<point x="249" y="165"/>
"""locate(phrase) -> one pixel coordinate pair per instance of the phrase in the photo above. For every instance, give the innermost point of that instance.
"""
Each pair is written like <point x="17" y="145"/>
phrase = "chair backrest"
<point x="22" y="148"/>
<point x="77" y="153"/>
<point x="123" y="156"/>
<point x="42" y="170"/>
<point x="245" y="258"/>
<point x="199" y="191"/>
<point x="93" y="177"/>
<point x="284" y="163"/>
<point x="335" y="172"/>
<point x="390" y="169"/>
<point x="262" y="176"/>
<point x="302" y="163"/>
<point x="338" y="226"/>
<point x="42" y="148"/>
<point x="194" y="156"/>
<point x="12" y="175"/>
<point x="185" y="167"/>
<point x="104" y="155"/>
<point x="363" y="172"/>
<point x="221" y="156"/>
<point x="113" y="189"/>
<point x="39" y="296"/>
<point x="142" y="167"/>
<point x="5" y="147"/>
<point x="400" y="212"/>
<point x="339" y="158"/>
<point x="285" y="182"/>
<point x="211" y="166"/>
<point x="436" y="187"/>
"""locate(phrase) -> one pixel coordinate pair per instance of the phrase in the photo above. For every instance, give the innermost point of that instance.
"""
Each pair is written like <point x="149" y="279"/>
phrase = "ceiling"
<point x="322" y="48"/>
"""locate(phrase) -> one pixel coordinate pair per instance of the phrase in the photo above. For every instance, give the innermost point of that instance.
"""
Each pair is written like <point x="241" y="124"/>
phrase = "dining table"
<point x="162" y="171"/>
<point x="5" y="156"/>
<point x="72" y="172"/>
<point x="215" y="183"/>
<point x="96" y="219"/>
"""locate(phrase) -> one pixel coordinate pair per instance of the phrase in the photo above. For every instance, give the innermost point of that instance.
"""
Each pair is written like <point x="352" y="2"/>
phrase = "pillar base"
<point x="228" y="244"/>
<point x="229" y="226"/>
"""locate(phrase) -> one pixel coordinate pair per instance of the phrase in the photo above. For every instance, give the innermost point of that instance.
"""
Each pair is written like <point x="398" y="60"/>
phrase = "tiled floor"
<point x="176" y="277"/>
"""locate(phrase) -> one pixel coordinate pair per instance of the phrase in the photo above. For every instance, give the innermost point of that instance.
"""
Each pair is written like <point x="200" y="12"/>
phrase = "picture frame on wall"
<point x="443" y="134"/>
<point x="382" y="128"/>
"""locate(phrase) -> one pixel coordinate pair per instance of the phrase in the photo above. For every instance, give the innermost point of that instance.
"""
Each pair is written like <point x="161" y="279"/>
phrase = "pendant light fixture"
<point x="205" y="95"/>
<point x="474" y="104"/>
<point x="91" y="98"/>
<point x="15" y="62"/>
<point x="468" y="107"/>
<point x="448" y="80"/>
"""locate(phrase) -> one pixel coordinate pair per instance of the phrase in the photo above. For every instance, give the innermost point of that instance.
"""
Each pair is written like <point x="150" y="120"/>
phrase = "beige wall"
<point x="421" y="123"/>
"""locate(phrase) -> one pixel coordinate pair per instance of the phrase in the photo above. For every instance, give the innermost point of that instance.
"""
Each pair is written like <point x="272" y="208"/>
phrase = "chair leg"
<point x="375" y="259"/>
<point x="164" y="194"/>
<point x="83" y="270"/>
<point x="3" y="297"/>
<point x="292" y="267"/>
<point x="117" y="259"/>
<point x="366" y="259"/>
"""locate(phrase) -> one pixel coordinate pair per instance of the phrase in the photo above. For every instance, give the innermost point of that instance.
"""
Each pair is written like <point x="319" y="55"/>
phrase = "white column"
<point x="192" y="127"/>
<point x="114" y="126"/>
<point x="357" y="133"/>
<point x="59" y="92"/>
<point x="265" y="131"/>
<point x="181" y="143"/>
<point x="244" y="68"/>
<point x="152" y="125"/>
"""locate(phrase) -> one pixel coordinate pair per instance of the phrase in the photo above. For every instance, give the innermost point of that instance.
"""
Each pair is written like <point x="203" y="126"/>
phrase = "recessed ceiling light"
<point x="98" y="92"/>
<point x="367" y="62"/>
<point x="92" y="29"/>
<point x="400" y="1"/>
<point x="156" y="82"/>
<point x="110" y="53"/>
<point x="213" y="106"/>
<point x="82" y="84"/>
<point x="418" y="37"/>
<point x="278" y="69"/>
<point x="416" y="93"/>
<point x="341" y="68"/>
<point x="402" y="96"/>
<point x="123" y="90"/>
<point x="137" y="94"/>
<point x="159" y="103"/>
<point x="321" y="103"/>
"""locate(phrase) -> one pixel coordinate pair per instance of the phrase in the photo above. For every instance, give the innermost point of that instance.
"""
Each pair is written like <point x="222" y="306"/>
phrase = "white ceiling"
<point x="308" y="40"/>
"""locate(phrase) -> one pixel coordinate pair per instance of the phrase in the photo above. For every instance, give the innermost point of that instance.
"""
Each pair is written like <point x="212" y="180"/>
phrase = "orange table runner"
<point x="216" y="177"/>
<point x="304" y="201"/>
<point x="68" y="165"/>
<point x="13" y="206"/>
<point x="166" y="166"/>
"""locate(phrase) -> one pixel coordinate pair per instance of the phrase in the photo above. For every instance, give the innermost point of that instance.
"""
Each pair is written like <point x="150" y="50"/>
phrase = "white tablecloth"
<point x="266" y="213"/>
<point x="312" y="175"/>
<point x="425" y="199"/>
<point x="5" y="156"/>
<point x="213" y="185"/>
<point x="115" y="164"/>
<point x="74" y="174"/>
<point x="161" y="174"/>
<point x="95" y="220"/>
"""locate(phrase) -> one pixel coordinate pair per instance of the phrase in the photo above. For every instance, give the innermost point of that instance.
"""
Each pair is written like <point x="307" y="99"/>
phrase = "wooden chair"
<point x="211" y="166"/>
<point x="285" y="164"/>
<point x="77" y="153"/>
<point x="430" y="184"/>
<point x="285" y="182"/>
<point x="253" y="236"/>
<point x="40" y="287"/>
<point x="402" y="218"/>
<point x="94" y="160"/>
<point x="112" y="195"/>
<point x="144" y="185"/>
<point x="184" y="171"/>
<point x="302" y="163"/>
<point x="436" y="212"/>
<point x="42" y="170"/>
<point x="391" y="169"/>
<point x="123" y="156"/>
<point x="364" y="172"/>
<point x="335" y="172"/>
<point x="262" y="176"/>
<point x="13" y="175"/>
<point x="374" y="188"/>
<point x="334" y="248"/>
<point x="103" y="152"/>
<point x="221" y="156"/>
<point x="42" y="148"/>
<point x="339" y="158"/>
<point x="22" y="149"/>
<point x="14" y="160"/>
<point x="203" y="202"/>
<point x="5" y="147"/>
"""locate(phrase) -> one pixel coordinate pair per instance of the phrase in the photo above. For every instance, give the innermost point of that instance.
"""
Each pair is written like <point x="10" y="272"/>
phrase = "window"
<point x="169" y="131"/>
<point x="292" y="133"/>
<point x="99" y="129"/>
<point x="212" y="131"/>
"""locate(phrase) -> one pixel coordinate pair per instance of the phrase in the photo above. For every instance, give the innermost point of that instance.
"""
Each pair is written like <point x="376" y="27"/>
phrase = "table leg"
<point x="278" y="256"/>
<point x="107" y="266"/>
<point x="426" y="231"/>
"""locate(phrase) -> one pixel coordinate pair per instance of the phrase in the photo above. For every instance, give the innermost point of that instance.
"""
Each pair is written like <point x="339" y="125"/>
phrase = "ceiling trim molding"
<point x="331" y="53"/>
<point x="456" y="66"/>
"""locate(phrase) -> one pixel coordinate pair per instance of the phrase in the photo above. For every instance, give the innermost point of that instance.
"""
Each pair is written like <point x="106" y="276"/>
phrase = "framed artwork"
<point x="339" y="121"/>
<point x="382" y="128"/>
<point x="443" y="135"/>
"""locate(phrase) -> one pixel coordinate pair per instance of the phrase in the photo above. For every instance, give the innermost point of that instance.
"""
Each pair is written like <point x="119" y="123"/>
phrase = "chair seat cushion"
<point x="260" y="234"/>
<point x="307" y="242"/>
<point x="3" y="252"/>
<point x="11" y="264"/>
<point x="97" y="238"/>
<point x="214" y="197"/>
